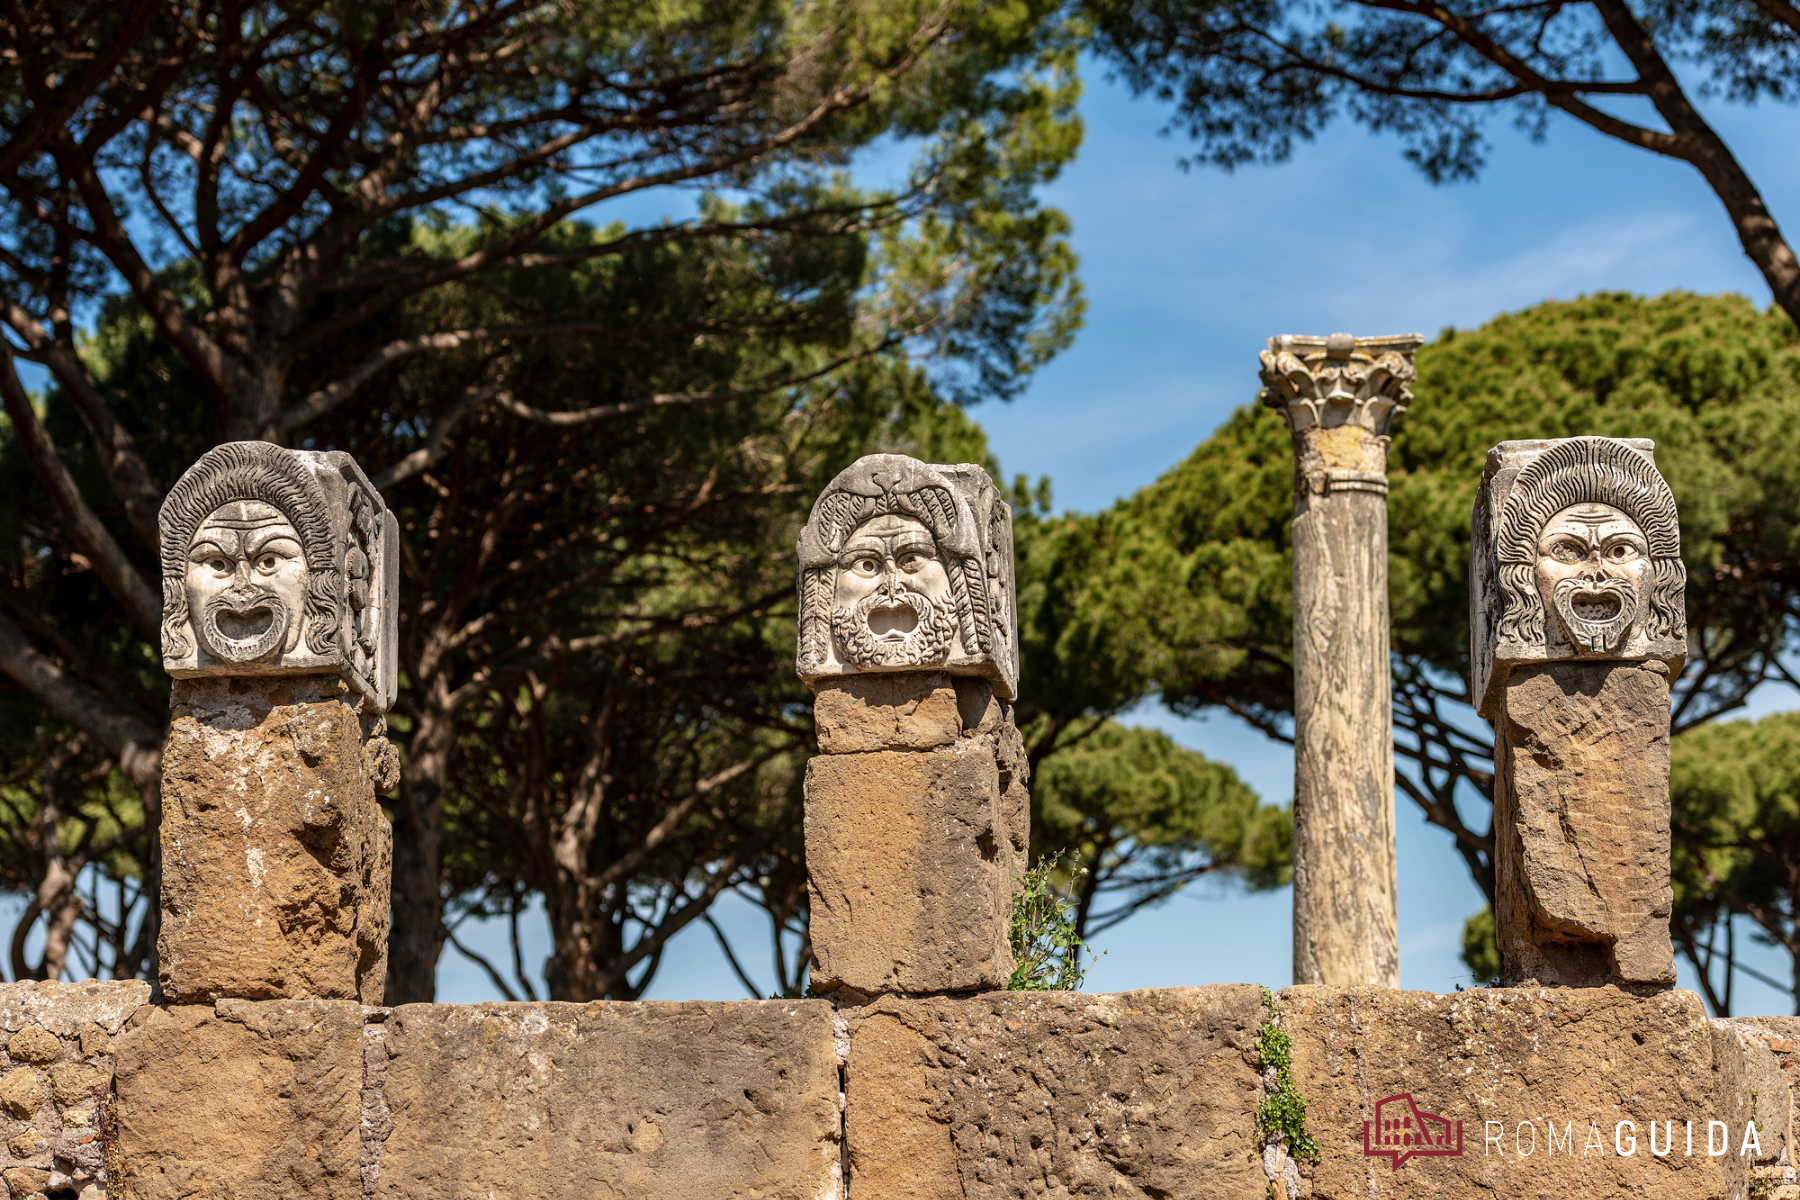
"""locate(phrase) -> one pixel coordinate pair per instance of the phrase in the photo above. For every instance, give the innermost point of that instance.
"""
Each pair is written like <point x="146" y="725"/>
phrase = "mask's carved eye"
<point x="866" y="566"/>
<point x="1566" y="551"/>
<point x="1621" y="552"/>
<point x="911" y="562"/>
<point x="218" y="565"/>
<point x="267" y="563"/>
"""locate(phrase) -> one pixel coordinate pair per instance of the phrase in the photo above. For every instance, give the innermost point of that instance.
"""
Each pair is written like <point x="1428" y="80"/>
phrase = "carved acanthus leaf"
<point x="1322" y="382"/>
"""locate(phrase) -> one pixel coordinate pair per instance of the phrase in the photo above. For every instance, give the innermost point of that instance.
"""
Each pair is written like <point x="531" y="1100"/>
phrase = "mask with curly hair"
<point x="1578" y="555"/>
<point x="277" y="562"/>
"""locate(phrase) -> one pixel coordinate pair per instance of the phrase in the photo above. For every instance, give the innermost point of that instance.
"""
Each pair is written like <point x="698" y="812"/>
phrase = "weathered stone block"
<point x="34" y="1044"/>
<point x="1055" y="1094"/>
<point x="26" y="1181"/>
<point x="1514" y="1068"/>
<point x="908" y="566"/>
<point x="20" y="1093"/>
<point x="53" y="1106"/>
<point x="94" y="1040"/>
<point x="71" y="1083"/>
<point x="988" y="720"/>
<point x="241" y="1101"/>
<point x="276" y="856"/>
<point x="909" y="861"/>
<point x="910" y="711"/>
<point x="1581" y="825"/>
<point x="65" y="1009"/>
<point x="643" y="1100"/>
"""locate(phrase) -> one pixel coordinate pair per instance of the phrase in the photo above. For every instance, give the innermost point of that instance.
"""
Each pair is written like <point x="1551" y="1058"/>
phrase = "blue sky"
<point x="1187" y="274"/>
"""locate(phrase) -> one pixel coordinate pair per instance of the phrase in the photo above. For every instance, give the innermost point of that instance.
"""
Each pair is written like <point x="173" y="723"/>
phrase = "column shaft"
<point x="1339" y="395"/>
<point x="1345" y="891"/>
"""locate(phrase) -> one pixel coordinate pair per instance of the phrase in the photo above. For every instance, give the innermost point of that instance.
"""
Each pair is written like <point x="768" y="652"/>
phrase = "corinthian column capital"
<point x="1326" y="382"/>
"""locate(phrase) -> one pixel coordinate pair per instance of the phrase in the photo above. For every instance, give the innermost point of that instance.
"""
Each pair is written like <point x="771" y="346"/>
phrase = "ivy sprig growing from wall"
<point x="1046" y="947"/>
<point x="1281" y="1117"/>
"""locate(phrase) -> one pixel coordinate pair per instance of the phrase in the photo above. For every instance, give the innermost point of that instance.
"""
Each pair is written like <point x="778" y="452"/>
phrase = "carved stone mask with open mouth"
<point x="246" y="582"/>
<point x="1593" y="572"/>
<point x="892" y="606"/>
<point x="894" y="628"/>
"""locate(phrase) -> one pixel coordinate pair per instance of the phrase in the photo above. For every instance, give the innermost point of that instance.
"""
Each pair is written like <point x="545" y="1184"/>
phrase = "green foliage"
<point x="1140" y="817"/>
<point x="1734" y="789"/>
<point x="1480" y="951"/>
<point x="1281" y="1117"/>
<point x="1045" y="942"/>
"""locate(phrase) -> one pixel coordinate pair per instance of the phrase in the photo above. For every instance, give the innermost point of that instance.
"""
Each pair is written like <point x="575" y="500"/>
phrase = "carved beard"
<point x="927" y="645"/>
<point x="1597" y="611"/>
<point x="242" y="625"/>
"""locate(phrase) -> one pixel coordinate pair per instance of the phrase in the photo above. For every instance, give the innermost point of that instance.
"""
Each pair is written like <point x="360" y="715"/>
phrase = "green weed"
<point x="1046" y="948"/>
<point x="1281" y="1117"/>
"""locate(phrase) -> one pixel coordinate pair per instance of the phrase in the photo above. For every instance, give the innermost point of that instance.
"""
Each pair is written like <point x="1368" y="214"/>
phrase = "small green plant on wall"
<point x="1046" y="950"/>
<point x="1281" y="1117"/>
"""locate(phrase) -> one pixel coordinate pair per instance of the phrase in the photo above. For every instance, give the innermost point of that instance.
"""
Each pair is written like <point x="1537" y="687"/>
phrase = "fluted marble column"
<point x="1339" y="394"/>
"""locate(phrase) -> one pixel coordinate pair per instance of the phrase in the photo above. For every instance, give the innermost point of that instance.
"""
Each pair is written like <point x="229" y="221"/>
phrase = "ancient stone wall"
<point x="1539" y="1093"/>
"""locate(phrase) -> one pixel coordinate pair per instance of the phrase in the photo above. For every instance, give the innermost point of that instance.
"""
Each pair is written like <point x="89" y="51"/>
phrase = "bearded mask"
<point x="908" y="566"/>
<point x="892" y="606"/>
<point x="246" y="583"/>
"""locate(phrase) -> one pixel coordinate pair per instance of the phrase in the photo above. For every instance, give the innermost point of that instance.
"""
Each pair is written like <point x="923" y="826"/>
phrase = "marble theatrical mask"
<point x="1594" y="574"/>
<point x="246" y="582"/>
<point x="893" y="605"/>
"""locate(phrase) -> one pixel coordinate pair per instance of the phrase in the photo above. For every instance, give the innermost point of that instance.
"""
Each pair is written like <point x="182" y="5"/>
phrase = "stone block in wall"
<point x="1554" y="1091"/>
<point x="276" y="855"/>
<point x="1055" y="1094"/>
<point x="68" y="1009"/>
<point x="242" y="1100"/>
<point x="56" y="1074"/>
<point x="646" y="1100"/>
<point x="910" y="867"/>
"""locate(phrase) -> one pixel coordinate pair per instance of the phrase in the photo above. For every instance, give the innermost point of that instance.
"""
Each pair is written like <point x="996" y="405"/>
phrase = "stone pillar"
<point x="1577" y="627"/>
<point x="917" y="814"/>
<point x="1339" y="395"/>
<point x="280" y="581"/>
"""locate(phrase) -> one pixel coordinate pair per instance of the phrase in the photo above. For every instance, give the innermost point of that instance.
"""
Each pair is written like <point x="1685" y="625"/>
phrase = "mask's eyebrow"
<point x="205" y="545"/>
<point x="913" y="540"/>
<point x="258" y="540"/>
<point x="861" y="548"/>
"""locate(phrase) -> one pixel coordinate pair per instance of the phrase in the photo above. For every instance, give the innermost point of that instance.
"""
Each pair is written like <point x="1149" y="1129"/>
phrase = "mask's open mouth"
<point x="1597" y="613"/>
<point x="244" y="628"/>
<point x="1595" y="606"/>
<point x="893" y="623"/>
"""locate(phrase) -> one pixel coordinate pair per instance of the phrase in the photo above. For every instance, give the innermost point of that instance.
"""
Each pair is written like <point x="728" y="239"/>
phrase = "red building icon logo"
<point x="1401" y="1131"/>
